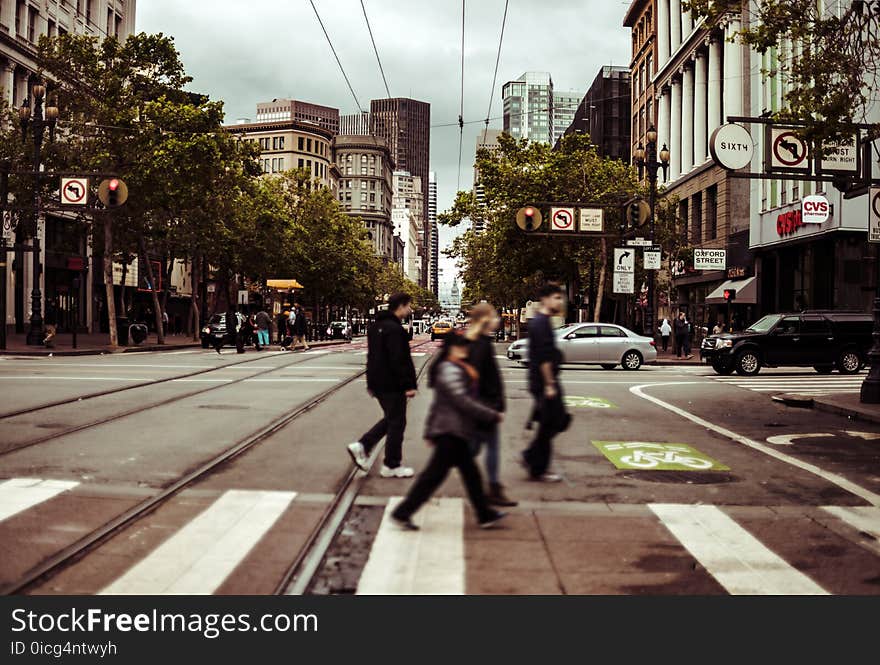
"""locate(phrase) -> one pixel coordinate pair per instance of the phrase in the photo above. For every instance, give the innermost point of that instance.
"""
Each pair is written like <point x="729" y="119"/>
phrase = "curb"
<point x="846" y="411"/>
<point x="798" y="401"/>
<point x="128" y="349"/>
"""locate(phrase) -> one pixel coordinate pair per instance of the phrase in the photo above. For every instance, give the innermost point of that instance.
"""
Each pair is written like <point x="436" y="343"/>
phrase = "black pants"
<point x="449" y="451"/>
<point x="665" y="339"/>
<point x="540" y="451"/>
<point x="393" y="424"/>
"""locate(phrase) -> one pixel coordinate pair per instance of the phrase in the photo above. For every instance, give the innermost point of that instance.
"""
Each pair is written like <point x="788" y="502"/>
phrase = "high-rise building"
<point x="354" y="124"/>
<point x="22" y="24"/>
<point x="604" y="113"/>
<point x="408" y="216"/>
<point x="486" y="140"/>
<point x="406" y="125"/>
<point x="306" y="113"/>
<point x="366" y="187"/>
<point x="565" y="103"/>
<point x="434" y="267"/>
<point x="528" y="107"/>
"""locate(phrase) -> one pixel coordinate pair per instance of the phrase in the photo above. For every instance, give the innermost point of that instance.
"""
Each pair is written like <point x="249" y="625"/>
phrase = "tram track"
<point x="88" y="543"/>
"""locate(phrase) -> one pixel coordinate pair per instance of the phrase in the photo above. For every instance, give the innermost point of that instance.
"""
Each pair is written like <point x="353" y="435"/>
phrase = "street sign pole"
<point x="870" y="391"/>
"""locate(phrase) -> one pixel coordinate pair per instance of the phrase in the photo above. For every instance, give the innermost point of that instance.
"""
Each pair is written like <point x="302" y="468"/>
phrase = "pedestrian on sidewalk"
<point x="243" y="330"/>
<point x="665" y="332"/>
<point x="164" y="323"/>
<point x="549" y="409"/>
<point x="51" y="322"/>
<point x="681" y="332"/>
<point x="484" y="323"/>
<point x="263" y="322"/>
<point x="299" y="326"/>
<point x="450" y="428"/>
<point x="688" y="336"/>
<point x="391" y="379"/>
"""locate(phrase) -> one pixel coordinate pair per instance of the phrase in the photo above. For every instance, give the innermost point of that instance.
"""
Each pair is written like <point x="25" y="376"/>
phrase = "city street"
<point x="198" y="474"/>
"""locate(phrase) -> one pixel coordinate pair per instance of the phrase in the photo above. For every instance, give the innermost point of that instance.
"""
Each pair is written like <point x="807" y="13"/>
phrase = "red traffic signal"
<point x="729" y="294"/>
<point x="113" y="192"/>
<point x="528" y="218"/>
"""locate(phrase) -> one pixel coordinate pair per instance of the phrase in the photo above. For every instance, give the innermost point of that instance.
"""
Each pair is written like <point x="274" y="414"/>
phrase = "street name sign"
<point x="562" y="219"/>
<point x="651" y="258"/>
<point x="874" y="215"/>
<point x="624" y="260"/>
<point x="842" y="157"/>
<point x="639" y="242"/>
<point x="815" y="209"/>
<point x="710" y="259"/>
<point x="657" y="456"/>
<point x="788" y="152"/>
<point x="624" y="282"/>
<point x="592" y="219"/>
<point x="74" y="191"/>
<point x="731" y="147"/>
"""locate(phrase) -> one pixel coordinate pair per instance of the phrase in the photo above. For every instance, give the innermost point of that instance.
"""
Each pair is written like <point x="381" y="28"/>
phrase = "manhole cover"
<point x="225" y="407"/>
<point x="682" y="477"/>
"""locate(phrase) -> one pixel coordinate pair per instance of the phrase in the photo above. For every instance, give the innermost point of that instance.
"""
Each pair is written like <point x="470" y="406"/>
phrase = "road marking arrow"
<point x="788" y="439"/>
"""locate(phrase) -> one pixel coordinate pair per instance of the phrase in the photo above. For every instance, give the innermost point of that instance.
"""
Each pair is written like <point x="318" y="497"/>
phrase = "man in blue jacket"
<point x="391" y="379"/>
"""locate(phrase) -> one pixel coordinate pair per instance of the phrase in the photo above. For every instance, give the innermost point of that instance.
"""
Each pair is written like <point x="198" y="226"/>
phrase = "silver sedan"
<point x="602" y="344"/>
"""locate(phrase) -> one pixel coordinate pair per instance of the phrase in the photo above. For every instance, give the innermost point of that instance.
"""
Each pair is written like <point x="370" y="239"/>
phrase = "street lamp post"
<point x="38" y="124"/>
<point x="646" y="159"/>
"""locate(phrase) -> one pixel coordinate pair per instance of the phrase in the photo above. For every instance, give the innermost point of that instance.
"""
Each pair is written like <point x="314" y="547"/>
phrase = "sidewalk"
<point x="848" y="405"/>
<point x="93" y="344"/>
<point x="671" y="359"/>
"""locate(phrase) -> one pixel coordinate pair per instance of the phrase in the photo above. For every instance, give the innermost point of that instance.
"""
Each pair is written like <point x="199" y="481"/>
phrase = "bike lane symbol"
<point x="644" y="455"/>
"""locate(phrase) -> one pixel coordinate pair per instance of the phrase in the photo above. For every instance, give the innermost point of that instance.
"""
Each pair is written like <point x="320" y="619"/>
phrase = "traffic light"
<point x="729" y="295"/>
<point x="529" y="218"/>
<point x="634" y="214"/>
<point x="113" y="192"/>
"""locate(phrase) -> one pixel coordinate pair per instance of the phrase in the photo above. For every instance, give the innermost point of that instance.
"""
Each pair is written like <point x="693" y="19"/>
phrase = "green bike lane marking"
<point x="579" y="402"/>
<point x="651" y="456"/>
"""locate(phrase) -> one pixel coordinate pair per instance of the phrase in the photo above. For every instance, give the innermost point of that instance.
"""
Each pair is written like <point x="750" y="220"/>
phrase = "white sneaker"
<point x="359" y="455"/>
<point x="397" y="472"/>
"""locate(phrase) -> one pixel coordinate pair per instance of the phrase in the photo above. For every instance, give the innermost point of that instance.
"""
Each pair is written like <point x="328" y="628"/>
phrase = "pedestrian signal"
<point x="729" y="295"/>
<point x="113" y="192"/>
<point x="529" y="218"/>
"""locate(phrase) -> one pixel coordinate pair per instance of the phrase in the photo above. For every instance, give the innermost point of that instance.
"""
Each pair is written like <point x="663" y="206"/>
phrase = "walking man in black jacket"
<point x="391" y="379"/>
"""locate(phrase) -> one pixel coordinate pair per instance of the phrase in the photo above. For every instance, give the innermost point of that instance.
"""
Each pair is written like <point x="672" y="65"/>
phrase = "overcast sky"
<point x="246" y="52"/>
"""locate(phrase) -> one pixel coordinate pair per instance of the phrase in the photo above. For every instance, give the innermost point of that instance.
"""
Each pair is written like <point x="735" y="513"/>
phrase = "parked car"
<point x="214" y="329"/>
<point x="440" y="329"/>
<point x="604" y="344"/>
<point x="824" y="340"/>
<point x="339" y="330"/>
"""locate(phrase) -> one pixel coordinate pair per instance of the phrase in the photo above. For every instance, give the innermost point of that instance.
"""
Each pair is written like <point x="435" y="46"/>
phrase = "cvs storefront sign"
<point x="815" y="210"/>
<point x="788" y="223"/>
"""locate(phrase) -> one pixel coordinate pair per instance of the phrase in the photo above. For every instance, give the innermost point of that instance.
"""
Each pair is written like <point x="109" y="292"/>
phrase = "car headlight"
<point x="207" y="331"/>
<point x="723" y="343"/>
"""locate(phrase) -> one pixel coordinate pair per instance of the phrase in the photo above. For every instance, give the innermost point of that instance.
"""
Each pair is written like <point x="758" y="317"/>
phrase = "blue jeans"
<point x="490" y="437"/>
<point x="262" y="337"/>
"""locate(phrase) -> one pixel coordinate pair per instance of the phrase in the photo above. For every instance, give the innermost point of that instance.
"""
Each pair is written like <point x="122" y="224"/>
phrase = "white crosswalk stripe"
<point x="200" y="556"/>
<point x="796" y="384"/>
<point x="18" y="494"/>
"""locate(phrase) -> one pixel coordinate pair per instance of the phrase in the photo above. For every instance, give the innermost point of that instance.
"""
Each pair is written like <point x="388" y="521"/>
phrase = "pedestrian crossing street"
<point x="807" y="383"/>
<point x="581" y="549"/>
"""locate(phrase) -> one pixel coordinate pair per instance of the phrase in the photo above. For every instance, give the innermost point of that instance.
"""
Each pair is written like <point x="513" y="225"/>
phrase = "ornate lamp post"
<point x="646" y="158"/>
<point x="38" y="124"/>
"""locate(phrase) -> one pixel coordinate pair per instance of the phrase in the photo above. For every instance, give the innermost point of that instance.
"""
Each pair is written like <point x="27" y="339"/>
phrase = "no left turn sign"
<point x="788" y="151"/>
<point x="562" y="219"/>
<point x="874" y="215"/>
<point x="74" y="191"/>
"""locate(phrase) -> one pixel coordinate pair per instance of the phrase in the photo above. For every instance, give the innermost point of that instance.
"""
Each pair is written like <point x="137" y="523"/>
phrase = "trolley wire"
<point x="461" y="108"/>
<point x="495" y="75"/>
<point x="335" y="55"/>
<point x="376" y="50"/>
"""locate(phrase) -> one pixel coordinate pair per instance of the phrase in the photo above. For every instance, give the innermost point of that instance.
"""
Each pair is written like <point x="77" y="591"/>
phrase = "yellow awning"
<point x="283" y="284"/>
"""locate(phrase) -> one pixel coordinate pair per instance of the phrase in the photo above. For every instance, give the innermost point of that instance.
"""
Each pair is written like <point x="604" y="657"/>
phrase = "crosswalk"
<point x="811" y="384"/>
<point x="582" y="549"/>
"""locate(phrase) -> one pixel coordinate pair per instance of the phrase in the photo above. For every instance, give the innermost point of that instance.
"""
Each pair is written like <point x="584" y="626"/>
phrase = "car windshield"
<point x="339" y="323"/>
<point x="764" y="324"/>
<point x="217" y="318"/>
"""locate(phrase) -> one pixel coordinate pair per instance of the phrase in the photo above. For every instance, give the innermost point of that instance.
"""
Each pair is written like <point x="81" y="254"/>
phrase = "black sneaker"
<point x="405" y="524"/>
<point x="491" y="521"/>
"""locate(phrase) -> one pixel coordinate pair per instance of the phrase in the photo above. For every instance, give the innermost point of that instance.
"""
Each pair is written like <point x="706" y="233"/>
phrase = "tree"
<point x="830" y="63"/>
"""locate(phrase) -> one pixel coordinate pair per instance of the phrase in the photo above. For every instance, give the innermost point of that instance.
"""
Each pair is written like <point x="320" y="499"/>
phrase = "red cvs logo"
<point x="789" y="222"/>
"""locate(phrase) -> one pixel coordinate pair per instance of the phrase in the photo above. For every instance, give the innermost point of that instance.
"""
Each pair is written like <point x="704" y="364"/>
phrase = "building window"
<point x="363" y="158"/>
<point x="308" y="145"/>
<point x="281" y="143"/>
<point x="372" y="198"/>
<point x="300" y="143"/>
<point x="300" y="163"/>
<point x="697" y="223"/>
<point x="363" y="184"/>
<point x="363" y="170"/>
<point x="363" y="197"/>
<point x="712" y="212"/>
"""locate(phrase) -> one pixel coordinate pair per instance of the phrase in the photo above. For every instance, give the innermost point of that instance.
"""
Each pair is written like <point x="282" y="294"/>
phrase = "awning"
<point x="746" y="292"/>
<point x="283" y="284"/>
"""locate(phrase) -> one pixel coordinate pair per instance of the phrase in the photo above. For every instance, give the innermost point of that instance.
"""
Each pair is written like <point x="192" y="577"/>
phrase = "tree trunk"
<point x="194" y="273"/>
<point x="157" y="308"/>
<point x="108" y="281"/>
<point x="600" y="288"/>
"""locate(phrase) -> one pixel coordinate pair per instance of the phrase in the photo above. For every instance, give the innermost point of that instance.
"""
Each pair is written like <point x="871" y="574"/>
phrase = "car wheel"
<point x="823" y="369"/>
<point x="747" y="363"/>
<point x="204" y="344"/>
<point x="632" y="360"/>
<point x="608" y="366"/>
<point x="849" y="362"/>
<point x="724" y="369"/>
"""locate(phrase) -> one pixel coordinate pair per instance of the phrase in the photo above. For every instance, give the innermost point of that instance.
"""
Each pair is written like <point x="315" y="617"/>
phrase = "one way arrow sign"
<point x="624" y="260"/>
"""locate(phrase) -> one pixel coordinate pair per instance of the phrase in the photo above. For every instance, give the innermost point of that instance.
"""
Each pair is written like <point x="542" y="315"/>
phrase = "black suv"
<point x="819" y="339"/>
<point x="213" y="330"/>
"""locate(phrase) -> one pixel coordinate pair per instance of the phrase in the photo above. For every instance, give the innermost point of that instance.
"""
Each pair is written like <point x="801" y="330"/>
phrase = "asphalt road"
<point x="763" y="498"/>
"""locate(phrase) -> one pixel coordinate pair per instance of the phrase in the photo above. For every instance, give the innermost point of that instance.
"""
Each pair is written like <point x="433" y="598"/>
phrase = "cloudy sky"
<point x="246" y="52"/>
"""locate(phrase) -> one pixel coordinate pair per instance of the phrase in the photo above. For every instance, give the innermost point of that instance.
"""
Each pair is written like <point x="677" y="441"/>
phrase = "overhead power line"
<point x="375" y="50"/>
<point x="338" y="61"/>
<point x="522" y="113"/>
<point x="495" y="75"/>
<point x="461" y="108"/>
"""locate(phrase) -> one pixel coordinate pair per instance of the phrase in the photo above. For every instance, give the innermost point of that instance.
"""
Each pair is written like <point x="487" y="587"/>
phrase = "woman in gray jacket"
<point x="452" y="420"/>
